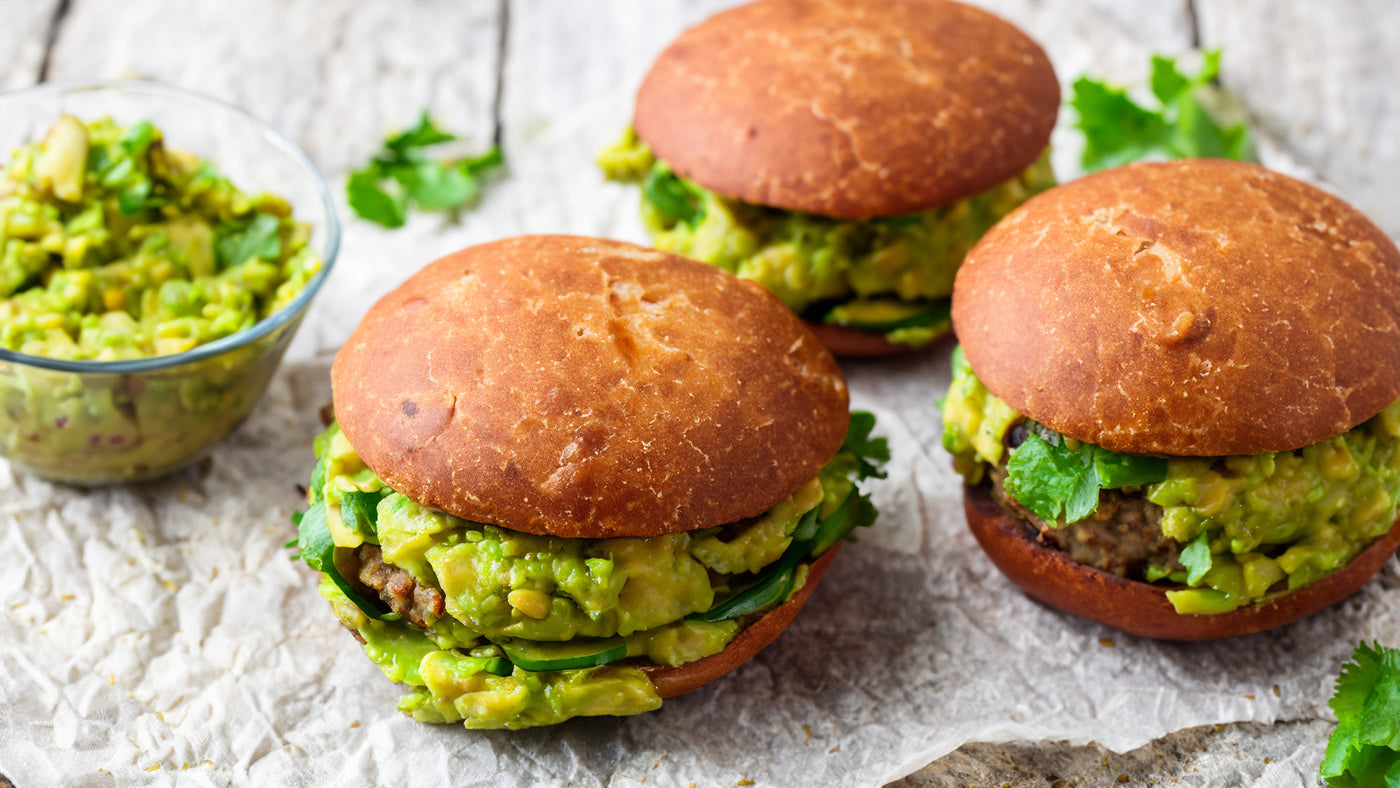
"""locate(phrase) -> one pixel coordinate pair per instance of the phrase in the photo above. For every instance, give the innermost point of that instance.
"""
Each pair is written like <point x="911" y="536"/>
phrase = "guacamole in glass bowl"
<point x="158" y="250"/>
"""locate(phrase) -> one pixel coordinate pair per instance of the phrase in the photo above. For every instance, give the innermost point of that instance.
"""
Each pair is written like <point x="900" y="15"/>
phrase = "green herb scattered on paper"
<point x="1117" y="130"/>
<point x="1364" y="750"/>
<point x="402" y="175"/>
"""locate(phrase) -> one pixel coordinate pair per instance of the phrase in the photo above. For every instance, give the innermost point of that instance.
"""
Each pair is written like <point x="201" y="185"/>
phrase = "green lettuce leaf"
<point x="1364" y="750"/>
<point x="403" y="175"/>
<point x="1061" y="484"/>
<point x="1118" y="130"/>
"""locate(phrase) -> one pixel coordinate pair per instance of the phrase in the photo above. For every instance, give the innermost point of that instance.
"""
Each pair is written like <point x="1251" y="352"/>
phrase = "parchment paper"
<point x="159" y="634"/>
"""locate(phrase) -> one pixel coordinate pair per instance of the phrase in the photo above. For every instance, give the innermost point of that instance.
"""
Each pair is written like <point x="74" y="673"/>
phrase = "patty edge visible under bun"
<point x="1142" y="608"/>
<point x="1187" y="308"/>
<point x="673" y="681"/>
<point x="753" y="104"/>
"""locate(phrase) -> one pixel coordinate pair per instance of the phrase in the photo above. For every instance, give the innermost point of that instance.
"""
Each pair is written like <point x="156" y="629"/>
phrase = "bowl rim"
<point x="258" y="330"/>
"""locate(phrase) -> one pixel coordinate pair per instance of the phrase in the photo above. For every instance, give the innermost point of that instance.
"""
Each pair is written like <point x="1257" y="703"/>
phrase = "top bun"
<point x="588" y="389"/>
<point x="849" y="109"/>
<point x="1190" y="308"/>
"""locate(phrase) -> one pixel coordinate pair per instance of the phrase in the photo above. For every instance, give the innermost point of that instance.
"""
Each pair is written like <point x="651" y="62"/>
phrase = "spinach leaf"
<point x="317" y="548"/>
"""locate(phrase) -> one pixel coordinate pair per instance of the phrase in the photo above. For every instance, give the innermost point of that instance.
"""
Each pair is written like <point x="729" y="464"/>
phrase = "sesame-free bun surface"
<point x="1198" y="307"/>
<point x="1141" y="608"/>
<point x="587" y="389"/>
<point x="849" y="109"/>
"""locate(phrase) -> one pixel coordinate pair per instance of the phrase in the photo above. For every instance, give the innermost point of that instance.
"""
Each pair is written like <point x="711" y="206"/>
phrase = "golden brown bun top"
<point x="588" y="388"/>
<point x="849" y="109"/>
<point x="1197" y="307"/>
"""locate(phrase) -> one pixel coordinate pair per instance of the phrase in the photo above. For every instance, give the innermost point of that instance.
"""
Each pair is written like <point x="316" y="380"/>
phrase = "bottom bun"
<point x="849" y="343"/>
<point x="1138" y="607"/>
<point x="670" y="682"/>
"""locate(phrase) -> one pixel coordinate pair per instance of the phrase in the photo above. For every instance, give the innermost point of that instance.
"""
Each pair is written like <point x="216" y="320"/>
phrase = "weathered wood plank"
<point x="24" y="34"/>
<point x="333" y="75"/>
<point x="1321" y="78"/>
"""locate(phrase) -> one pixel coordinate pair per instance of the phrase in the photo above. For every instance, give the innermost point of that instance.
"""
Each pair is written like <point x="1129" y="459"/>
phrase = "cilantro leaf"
<point x="317" y="548"/>
<point x="1364" y="749"/>
<point x="1057" y="483"/>
<point x="419" y="136"/>
<point x="476" y="165"/>
<point x="1196" y="558"/>
<point x="436" y="188"/>
<point x="870" y="453"/>
<point x="1117" y="130"/>
<point x="360" y="512"/>
<point x="1048" y="479"/>
<point x="258" y="240"/>
<point x="403" y="175"/>
<point x="371" y="201"/>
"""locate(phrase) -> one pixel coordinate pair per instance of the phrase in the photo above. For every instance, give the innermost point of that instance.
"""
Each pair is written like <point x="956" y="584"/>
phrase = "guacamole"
<point x="504" y="629"/>
<point x="838" y="271"/>
<point x="1244" y="527"/>
<point x="114" y="247"/>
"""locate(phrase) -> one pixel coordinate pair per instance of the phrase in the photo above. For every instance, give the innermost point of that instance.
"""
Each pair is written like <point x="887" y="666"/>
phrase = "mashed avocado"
<point x="817" y="265"/>
<point x="114" y="247"/>
<point x="512" y="600"/>
<point x="1246" y="525"/>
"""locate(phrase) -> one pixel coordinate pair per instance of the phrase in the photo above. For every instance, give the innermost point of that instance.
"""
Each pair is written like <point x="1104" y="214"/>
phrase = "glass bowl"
<point x="97" y="422"/>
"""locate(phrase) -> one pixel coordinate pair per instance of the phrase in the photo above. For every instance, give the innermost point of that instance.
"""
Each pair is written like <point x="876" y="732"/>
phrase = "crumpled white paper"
<point x="160" y="633"/>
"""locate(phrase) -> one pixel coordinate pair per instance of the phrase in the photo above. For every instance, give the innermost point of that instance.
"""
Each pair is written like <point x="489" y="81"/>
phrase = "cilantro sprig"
<point x="1118" y="130"/>
<point x="1364" y="750"/>
<point x="1060" y="483"/>
<point x="870" y="454"/>
<point x="403" y="175"/>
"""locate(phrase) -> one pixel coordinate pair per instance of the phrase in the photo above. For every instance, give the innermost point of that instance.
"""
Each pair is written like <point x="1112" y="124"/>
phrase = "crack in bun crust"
<point x="588" y="389"/>
<point x="1189" y="308"/>
<point x="849" y="109"/>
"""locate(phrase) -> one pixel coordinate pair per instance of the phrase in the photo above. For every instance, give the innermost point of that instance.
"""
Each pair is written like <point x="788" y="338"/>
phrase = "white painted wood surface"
<point x="334" y="75"/>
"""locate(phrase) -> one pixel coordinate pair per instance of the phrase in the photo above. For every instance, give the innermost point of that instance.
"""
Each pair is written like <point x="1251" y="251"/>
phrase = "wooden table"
<point x="1317" y="79"/>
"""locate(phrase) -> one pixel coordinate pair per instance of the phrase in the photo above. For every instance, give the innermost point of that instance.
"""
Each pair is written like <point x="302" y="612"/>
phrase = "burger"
<point x="571" y="477"/>
<point x="1174" y="404"/>
<point x="845" y="155"/>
